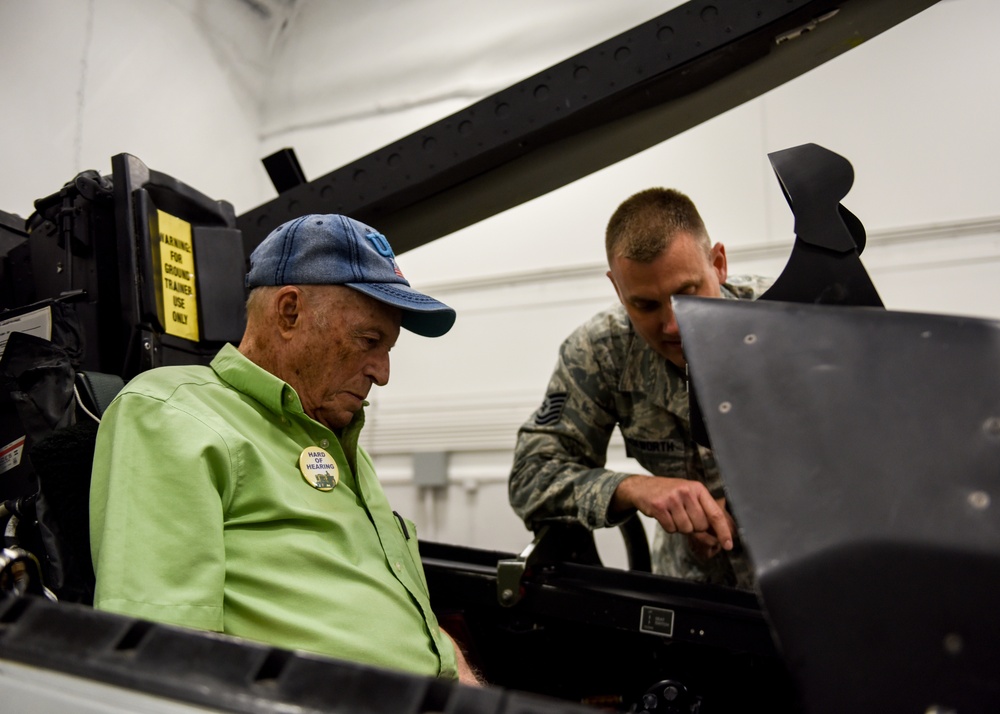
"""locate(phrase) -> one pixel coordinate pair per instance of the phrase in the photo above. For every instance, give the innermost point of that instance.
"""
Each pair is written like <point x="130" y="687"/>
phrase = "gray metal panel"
<point x="861" y="452"/>
<point x="122" y="662"/>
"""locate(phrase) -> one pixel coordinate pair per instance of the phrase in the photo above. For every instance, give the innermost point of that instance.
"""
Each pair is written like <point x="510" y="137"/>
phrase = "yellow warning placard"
<point x="180" y="301"/>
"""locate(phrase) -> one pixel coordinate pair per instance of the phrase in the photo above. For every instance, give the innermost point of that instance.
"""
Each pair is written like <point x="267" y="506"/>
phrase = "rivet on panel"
<point x="980" y="500"/>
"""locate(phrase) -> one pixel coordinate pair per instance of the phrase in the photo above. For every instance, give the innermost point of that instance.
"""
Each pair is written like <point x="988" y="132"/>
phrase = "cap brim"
<point x="422" y="314"/>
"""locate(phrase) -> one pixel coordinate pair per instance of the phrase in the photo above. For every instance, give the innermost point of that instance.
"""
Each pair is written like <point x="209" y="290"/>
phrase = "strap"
<point x="98" y="389"/>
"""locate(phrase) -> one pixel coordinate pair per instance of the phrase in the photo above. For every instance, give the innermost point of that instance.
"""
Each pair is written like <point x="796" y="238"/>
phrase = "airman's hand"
<point x="677" y="504"/>
<point x="705" y="545"/>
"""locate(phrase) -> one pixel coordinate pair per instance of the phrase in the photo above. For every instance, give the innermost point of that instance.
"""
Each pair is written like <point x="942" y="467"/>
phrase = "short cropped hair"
<point x="647" y="222"/>
<point x="257" y="303"/>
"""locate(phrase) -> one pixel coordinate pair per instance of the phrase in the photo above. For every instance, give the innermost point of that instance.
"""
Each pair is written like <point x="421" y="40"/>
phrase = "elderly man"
<point x="626" y="367"/>
<point x="235" y="497"/>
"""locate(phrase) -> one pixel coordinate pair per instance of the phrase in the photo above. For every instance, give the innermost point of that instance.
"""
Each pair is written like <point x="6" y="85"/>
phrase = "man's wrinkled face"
<point x="340" y="351"/>
<point x="645" y="289"/>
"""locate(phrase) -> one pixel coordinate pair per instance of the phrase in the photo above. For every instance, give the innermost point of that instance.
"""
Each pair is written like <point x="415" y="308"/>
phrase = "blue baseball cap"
<point x="337" y="250"/>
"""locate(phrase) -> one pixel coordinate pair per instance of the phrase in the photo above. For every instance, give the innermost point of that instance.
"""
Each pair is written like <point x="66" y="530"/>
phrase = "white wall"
<point x="85" y="80"/>
<point x="201" y="89"/>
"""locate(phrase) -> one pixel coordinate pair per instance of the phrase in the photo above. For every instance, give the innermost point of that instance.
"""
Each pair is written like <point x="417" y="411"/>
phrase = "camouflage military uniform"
<point x="607" y="375"/>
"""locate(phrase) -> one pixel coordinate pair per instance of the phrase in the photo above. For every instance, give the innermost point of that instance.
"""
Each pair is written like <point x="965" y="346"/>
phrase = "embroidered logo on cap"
<point x="381" y="244"/>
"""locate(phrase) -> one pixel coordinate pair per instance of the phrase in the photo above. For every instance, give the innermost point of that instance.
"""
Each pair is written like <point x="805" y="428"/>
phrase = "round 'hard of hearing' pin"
<point x="318" y="468"/>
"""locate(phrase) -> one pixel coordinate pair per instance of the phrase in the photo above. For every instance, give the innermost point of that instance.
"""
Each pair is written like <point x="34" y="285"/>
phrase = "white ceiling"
<point x="308" y="63"/>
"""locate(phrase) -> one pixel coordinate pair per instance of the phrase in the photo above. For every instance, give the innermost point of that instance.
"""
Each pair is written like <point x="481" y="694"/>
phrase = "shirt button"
<point x="324" y="443"/>
<point x="399" y="566"/>
<point x="289" y="398"/>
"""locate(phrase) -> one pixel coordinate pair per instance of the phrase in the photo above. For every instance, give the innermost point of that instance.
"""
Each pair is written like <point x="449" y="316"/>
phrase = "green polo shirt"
<point x="201" y="517"/>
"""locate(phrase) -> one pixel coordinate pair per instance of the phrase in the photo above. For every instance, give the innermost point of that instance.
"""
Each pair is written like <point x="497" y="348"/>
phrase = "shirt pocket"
<point x="409" y="531"/>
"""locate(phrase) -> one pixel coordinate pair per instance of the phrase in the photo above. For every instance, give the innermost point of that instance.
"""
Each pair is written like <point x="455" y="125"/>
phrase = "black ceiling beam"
<point x="581" y="115"/>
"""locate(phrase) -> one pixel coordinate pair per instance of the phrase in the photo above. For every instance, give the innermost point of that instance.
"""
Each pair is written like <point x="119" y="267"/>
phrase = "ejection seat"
<point x="124" y="273"/>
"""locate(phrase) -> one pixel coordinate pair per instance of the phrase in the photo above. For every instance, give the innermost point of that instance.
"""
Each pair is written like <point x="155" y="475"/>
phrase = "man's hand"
<point x="679" y="505"/>
<point x="706" y="546"/>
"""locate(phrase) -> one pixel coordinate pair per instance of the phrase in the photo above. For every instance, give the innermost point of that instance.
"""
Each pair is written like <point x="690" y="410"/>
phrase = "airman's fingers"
<point x="667" y="521"/>
<point x="704" y="545"/>
<point x="719" y="521"/>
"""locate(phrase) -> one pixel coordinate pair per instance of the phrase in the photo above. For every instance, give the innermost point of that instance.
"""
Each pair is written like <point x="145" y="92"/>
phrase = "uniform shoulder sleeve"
<point x="558" y="472"/>
<point x="746" y="287"/>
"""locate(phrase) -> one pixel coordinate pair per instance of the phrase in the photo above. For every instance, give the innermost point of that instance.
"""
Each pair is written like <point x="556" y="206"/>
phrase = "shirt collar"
<point x="255" y="381"/>
<point x="275" y="394"/>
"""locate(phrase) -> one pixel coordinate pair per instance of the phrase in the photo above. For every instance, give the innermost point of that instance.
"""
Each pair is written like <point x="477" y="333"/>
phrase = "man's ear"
<point x="619" y="292"/>
<point x="287" y="308"/>
<point x="718" y="260"/>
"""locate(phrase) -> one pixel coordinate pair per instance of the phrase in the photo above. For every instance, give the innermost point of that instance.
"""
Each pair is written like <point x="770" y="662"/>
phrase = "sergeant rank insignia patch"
<point x="551" y="409"/>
